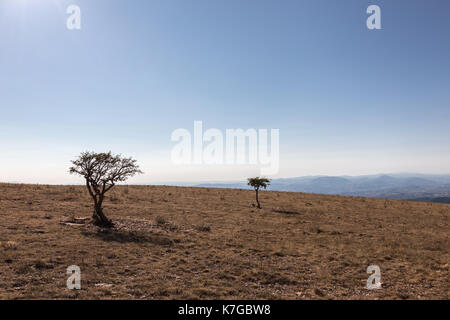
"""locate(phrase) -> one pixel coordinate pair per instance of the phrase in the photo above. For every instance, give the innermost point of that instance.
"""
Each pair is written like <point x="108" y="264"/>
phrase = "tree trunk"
<point x="257" y="200"/>
<point x="99" y="217"/>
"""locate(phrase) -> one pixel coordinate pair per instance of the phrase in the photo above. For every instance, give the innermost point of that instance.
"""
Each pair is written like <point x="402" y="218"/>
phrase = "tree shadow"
<point x="283" y="211"/>
<point x="111" y="235"/>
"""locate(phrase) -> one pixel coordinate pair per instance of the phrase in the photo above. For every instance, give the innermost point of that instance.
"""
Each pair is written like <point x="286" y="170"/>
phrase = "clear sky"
<point x="347" y="100"/>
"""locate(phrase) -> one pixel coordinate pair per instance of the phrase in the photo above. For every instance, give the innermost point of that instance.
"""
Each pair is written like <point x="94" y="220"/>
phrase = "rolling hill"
<point x="434" y="188"/>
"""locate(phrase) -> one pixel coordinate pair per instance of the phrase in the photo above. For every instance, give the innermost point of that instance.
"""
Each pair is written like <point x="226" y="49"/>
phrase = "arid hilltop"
<point x="192" y="243"/>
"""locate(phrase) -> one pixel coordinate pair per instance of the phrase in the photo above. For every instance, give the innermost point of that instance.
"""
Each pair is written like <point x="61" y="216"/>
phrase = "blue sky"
<point x="347" y="100"/>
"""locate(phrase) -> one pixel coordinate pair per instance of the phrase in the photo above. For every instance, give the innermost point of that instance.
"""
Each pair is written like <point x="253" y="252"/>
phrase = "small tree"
<point x="258" y="183"/>
<point x="102" y="171"/>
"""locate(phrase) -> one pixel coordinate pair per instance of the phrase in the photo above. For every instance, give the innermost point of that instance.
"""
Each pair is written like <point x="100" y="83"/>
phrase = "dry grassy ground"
<point x="189" y="243"/>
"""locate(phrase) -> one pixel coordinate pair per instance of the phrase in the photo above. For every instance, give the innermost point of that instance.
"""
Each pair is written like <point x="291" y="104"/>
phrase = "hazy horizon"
<point x="193" y="182"/>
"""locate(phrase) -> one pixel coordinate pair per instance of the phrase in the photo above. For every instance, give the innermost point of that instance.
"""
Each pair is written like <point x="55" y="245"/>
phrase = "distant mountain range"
<point x="418" y="187"/>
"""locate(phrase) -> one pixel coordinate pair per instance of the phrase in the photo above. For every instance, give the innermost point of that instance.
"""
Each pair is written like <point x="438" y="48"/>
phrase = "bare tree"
<point x="258" y="183"/>
<point x="102" y="171"/>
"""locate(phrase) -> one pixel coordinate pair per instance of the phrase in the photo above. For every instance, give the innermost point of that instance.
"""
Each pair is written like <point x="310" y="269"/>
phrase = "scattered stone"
<point x="103" y="285"/>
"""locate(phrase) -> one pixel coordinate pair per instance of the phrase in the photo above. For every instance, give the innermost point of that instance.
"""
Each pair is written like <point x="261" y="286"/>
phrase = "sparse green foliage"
<point x="102" y="171"/>
<point x="257" y="183"/>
